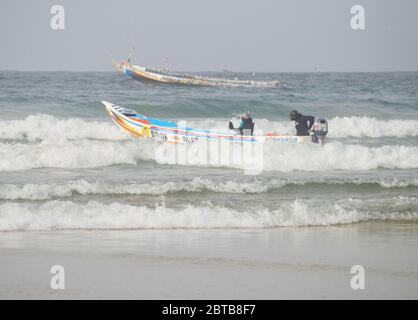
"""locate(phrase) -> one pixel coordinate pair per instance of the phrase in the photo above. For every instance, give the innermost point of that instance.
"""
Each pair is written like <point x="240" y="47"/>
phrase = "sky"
<point x="210" y="35"/>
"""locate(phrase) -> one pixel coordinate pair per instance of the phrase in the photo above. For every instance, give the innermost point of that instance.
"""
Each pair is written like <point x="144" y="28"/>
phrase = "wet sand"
<point x="280" y="263"/>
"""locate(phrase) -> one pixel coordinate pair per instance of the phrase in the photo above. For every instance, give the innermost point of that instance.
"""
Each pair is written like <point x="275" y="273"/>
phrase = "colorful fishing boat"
<point x="167" y="77"/>
<point x="169" y="131"/>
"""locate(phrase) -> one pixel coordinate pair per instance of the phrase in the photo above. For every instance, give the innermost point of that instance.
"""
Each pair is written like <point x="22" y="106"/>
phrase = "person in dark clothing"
<point x="246" y="126"/>
<point x="302" y="123"/>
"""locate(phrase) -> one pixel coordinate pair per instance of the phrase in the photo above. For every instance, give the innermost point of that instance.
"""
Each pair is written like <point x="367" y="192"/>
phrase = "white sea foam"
<point x="338" y="156"/>
<point x="360" y="127"/>
<point x="93" y="215"/>
<point x="46" y="191"/>
<point x="69" y="154"/>
<point x="76" y="143"/>
<point x="272" y="157"/>
<point x="53" y="190"/>
<point x="46" y="127"/>
<point x="286" y="157"/>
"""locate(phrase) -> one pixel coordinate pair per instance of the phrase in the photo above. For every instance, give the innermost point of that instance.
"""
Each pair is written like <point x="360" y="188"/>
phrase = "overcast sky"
<point x="200" y="35"/>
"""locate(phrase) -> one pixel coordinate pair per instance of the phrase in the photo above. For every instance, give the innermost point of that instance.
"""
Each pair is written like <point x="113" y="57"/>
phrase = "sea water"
<point x="65" y="165"/>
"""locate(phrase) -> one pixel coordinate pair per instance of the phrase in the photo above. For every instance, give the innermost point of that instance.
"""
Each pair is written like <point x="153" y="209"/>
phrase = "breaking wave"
<point x="67" y="154"/>
<point x="360" y="127"/>
<point x="46" y="127"/>
<point x="61" y="215"/>
<point x="42" y="127"/>
<point x="76" y="143"/>
<point x="286" y="158"/>
<point x="270" y="157"/>
<point x="47" y="191"/>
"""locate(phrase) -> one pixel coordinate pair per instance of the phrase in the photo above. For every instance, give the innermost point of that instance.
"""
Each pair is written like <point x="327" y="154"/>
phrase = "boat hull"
<point x="145" y="74"/>
<point x="141" y="126"/>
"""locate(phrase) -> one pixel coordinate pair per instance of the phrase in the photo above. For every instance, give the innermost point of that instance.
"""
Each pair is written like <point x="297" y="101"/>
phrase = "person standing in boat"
<point x="303" y="124"/>
<point x="246" y="127"/>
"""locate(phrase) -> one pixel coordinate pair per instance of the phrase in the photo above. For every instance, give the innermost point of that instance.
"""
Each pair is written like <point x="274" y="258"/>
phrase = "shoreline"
<point x="280" y="263"/>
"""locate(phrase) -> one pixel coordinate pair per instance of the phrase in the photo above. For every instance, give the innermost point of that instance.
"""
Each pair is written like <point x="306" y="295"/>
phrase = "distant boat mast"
<point x="130" y="54"/>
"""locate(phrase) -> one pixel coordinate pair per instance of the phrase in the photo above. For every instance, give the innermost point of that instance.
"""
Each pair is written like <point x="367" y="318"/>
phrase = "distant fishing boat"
<point x="167" y="77"/>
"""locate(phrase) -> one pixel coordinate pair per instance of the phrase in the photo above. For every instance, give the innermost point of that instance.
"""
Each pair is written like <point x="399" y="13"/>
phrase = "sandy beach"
<point x="277" y="263"/>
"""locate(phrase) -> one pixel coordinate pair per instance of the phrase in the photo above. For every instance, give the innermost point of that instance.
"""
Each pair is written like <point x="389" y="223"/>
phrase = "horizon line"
<point x="219" y="71"/>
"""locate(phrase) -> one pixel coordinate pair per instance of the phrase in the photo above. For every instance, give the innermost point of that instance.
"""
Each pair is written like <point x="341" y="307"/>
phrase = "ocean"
<point x="67" y="171"/>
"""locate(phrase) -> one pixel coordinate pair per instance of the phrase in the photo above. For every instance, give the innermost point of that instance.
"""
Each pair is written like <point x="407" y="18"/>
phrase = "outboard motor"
<point x="319" y="130"/>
